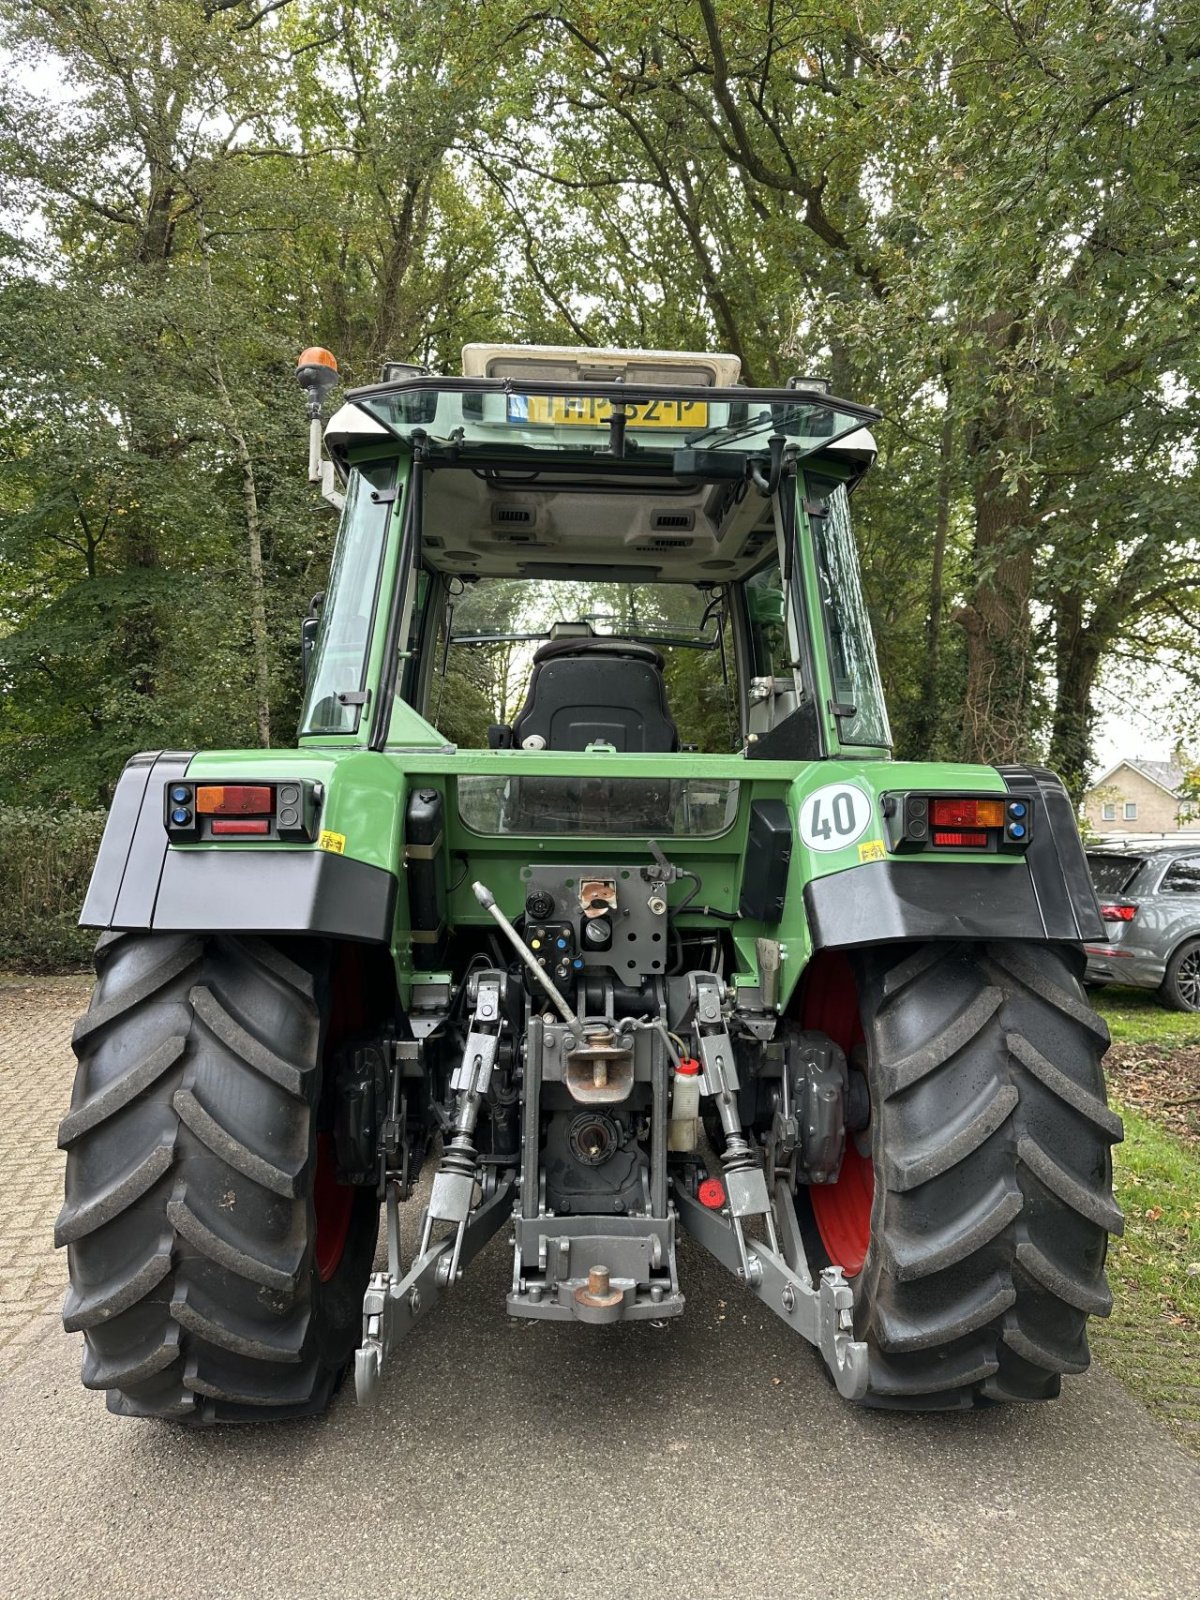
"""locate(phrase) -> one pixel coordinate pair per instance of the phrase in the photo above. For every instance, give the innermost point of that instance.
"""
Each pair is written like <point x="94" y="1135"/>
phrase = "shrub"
<point x="46" y="861"/>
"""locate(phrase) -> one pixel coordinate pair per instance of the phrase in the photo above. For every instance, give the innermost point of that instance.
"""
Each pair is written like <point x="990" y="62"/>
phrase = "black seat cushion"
<point x="585" y="690"/>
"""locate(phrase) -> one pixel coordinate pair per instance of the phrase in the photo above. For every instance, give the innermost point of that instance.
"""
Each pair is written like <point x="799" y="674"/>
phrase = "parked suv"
<point x="1150" y="904"/>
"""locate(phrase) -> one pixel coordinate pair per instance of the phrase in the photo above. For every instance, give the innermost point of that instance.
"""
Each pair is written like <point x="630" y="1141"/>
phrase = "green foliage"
<point x="46" y="861"/>
<point x="1138" y="1016"/>
<point x="980" y="220"/>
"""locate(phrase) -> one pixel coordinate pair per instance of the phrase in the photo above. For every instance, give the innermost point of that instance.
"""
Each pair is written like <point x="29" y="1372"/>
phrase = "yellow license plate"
<point x="592" y="411"/>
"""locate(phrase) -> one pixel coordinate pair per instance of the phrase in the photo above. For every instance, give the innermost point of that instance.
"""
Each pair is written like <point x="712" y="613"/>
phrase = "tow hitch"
<point x="593" y="1218"/>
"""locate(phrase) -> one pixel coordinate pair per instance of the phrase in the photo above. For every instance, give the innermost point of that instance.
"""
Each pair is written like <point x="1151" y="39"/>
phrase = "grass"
<point x="1151" y="1343"/>
<point x="1138" y="1016"/>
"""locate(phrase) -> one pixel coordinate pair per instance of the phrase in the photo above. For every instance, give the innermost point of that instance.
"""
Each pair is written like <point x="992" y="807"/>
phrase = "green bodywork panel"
<point x="365" y="793"/>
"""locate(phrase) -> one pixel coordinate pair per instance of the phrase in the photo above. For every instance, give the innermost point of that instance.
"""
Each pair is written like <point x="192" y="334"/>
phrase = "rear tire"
<point x="991" y="1145"/>
<point x="205" y="1284"/>
<point x="1181" y="984"/>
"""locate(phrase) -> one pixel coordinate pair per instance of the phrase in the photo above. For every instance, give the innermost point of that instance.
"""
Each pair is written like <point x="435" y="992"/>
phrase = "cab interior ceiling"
<point x="514" y="524"/>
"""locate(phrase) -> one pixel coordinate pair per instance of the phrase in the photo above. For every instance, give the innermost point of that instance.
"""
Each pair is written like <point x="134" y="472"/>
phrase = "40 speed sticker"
<point x="834" y="816"/>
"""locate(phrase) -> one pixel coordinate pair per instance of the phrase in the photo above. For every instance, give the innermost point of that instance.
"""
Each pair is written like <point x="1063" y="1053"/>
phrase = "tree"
<point x="980" y="219"/>
<point x="203" y="214"/>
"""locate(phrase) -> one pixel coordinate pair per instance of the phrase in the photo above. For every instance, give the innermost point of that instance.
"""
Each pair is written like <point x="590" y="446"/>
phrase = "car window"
<point x="1114" y="874"/>
<point x="1183" y="876"/>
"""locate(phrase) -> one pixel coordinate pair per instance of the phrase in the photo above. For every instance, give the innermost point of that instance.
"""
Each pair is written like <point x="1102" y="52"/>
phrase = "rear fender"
<point x="141" y="883"/>
<point x="1047" y="896"/>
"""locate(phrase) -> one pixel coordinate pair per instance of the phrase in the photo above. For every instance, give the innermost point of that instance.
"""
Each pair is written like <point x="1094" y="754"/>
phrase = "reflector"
<point x="966" y="841"/>
<point x="228" y="825"/>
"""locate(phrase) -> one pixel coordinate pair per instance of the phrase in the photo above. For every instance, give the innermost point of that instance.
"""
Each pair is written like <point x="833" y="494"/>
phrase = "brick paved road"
<point x="511" y="1461"/>
<point x="36" y="1068"/>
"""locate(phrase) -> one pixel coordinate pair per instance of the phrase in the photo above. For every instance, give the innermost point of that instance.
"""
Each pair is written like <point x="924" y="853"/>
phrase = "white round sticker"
<point x="834" y="816"/>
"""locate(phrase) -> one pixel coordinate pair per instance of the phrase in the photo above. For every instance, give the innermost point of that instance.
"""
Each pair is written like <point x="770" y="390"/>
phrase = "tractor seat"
<point x="586" y="690"/>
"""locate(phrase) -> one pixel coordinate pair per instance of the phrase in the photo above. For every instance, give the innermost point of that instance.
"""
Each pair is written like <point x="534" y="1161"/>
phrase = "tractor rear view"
<point x="589" y="909"/>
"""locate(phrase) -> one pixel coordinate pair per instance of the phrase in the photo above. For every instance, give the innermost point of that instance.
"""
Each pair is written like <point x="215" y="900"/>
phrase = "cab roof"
<point x="574" y="458"/>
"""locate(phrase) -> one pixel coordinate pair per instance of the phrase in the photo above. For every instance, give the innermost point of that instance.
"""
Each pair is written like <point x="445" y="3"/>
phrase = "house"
<point x="1137" y="796"/>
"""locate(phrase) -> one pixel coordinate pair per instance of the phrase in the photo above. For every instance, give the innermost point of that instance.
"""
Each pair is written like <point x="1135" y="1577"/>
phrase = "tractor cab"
<point x="605" y="547"/>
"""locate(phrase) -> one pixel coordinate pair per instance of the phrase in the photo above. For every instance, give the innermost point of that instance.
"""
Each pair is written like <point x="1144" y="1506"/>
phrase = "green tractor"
<point x="589" y="908"/>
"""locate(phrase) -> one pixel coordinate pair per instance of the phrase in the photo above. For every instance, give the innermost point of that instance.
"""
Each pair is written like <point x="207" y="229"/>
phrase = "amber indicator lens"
<point x="967" y="814"/>
<point x="234" y="800"/>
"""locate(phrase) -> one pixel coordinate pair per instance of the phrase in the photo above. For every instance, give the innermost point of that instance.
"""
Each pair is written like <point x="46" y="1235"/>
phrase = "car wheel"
<point x="1181" y="986"/>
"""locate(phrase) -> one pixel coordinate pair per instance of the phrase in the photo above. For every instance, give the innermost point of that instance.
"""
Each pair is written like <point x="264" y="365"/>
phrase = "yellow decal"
<point x="873" y="850"/>
<point x="332" y="841"/>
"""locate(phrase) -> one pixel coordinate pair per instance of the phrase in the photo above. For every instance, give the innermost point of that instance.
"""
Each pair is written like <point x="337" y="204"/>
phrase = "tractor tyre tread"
<point x="191" y="1151"/>
<point x="991" y="1140"/>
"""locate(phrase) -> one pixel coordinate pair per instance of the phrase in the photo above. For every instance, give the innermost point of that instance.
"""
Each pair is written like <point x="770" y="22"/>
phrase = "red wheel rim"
<point x="841" y="1210"/>
<point x="333" y="1203"/>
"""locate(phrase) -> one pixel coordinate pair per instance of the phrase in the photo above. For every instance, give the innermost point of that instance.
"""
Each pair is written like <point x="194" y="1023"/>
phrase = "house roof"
<point x="1165" y="774"/>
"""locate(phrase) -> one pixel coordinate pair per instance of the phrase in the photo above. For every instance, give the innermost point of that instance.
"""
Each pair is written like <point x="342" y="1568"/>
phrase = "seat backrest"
<point x="586" y="690"/>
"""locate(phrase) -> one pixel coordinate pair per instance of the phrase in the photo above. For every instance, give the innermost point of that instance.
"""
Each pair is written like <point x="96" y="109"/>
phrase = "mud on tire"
<point x="192" y="1150"/>
<point x="991" y="1140"/>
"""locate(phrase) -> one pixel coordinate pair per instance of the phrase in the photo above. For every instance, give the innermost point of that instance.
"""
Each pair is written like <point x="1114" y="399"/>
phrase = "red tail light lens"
<point x="1115" y="913"/>
<point x="967" y="813"/>
<point x="223" y="826"/>
<point x="234" y="800"/>
<point x="965" y="841"/>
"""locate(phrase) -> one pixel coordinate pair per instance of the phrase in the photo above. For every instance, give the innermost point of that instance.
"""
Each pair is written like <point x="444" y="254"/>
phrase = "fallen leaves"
<point x="1160" y="1082"/>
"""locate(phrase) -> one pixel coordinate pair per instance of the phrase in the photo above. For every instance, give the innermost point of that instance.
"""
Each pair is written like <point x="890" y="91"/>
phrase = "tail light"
<point x="1112" y="912"/>
<point x="195" y="813"/>
<point x="235" y="800"/>
<point x="958" y="821"/>
<point x="966" y="813"/>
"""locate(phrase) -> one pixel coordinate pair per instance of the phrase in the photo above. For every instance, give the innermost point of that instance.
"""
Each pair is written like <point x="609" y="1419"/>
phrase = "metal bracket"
<point x="459" y="1170"/>
<point x="393" y="1306"/>
<point x="745" y="1180"/>
<point x="822" y="1314"/>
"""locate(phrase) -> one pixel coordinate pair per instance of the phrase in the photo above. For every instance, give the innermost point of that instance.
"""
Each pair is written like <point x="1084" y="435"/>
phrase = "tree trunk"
<point x="997" y="623"/>
<point x="258" y="602"/>
<point x="930" y="717"/>
<point x="1077" y="660"/>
